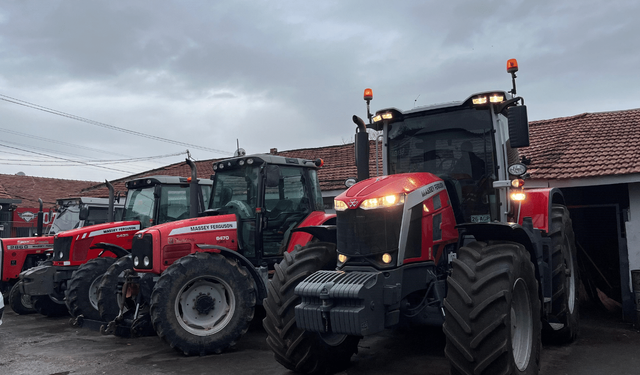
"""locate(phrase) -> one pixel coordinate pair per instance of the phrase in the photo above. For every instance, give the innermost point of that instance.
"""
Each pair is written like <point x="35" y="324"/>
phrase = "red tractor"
<point x="446" y="237"/>
<point x="20" y="254"/>
<point x="212" y="272"/>
<point x="69" y="283"/>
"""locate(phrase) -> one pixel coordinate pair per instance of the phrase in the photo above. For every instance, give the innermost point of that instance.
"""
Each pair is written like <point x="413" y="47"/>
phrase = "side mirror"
<point x="518" y="126"/>
<point x="84" y="212"/>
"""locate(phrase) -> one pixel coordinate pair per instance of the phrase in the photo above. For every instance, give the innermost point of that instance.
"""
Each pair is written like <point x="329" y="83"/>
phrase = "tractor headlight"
<point x="518" y="196"/>
<point x="60" y="254"/>
<point x="146" y="261"/>
<point x="136" y="262"/>
<point x="381" y="202"/>
<point x="342" y="258"/>
<point x="339" y="205"/>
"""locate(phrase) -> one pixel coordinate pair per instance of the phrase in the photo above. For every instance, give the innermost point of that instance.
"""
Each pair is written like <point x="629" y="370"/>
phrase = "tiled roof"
<point x="586" y="145"/>
<point x="339" y="164"/>
<point x="28" y="189"/>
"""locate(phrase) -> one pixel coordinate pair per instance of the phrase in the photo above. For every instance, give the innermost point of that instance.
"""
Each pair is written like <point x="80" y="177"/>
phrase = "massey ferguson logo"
<point x="353" y="203"/>
<point x="27" y="216"/>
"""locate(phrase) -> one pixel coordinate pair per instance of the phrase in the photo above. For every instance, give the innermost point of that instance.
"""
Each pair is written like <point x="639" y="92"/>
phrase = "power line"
<point x="90" y="162"/>
<point x="107" y="126"/>
<point x="56" y="157"/>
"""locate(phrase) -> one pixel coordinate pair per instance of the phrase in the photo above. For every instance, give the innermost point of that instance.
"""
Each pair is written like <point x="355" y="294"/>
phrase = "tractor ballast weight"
<point x="446" y="237"/>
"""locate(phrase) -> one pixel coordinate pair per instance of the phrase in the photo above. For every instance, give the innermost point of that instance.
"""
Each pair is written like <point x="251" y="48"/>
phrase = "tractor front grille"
<point x="62" y="248"/>
<point x="141" y="248"/>
<point x="367" y="232"/>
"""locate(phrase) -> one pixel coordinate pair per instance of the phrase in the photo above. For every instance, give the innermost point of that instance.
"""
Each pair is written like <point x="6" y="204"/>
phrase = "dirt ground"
<point x="34" y="344"/>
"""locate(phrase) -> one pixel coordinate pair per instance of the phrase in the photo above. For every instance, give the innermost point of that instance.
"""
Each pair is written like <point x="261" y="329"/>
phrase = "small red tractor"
<point x="69" y="282"/>
<point x="212" y="272"/>
<point x="447" y="236"/>
<point x="20" y="254"/>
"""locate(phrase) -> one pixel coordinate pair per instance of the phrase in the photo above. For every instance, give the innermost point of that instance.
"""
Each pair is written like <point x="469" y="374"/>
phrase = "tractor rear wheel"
<point x="110" y="289"/>
<point x="566" y="278"/>
<point x="492" y="322"/>
<point x="81" y="295"/>
<point x="294" y="348"/>
<point x="19" y="302"/>
<point x="203" y="303"/>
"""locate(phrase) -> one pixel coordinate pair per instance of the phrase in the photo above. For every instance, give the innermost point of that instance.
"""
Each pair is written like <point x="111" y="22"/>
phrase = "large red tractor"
<point x="19" y="254"/>
<point x="446" y="237"/>
<point x="212" y="272"/>
<point x="69" y="283"/>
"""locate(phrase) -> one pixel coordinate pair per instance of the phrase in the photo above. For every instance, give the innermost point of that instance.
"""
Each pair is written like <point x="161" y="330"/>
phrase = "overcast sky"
<point x="283" y="74"/>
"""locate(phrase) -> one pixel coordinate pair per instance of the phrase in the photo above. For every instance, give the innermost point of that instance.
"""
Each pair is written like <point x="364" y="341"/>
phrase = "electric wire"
<point x="107" y="126"/>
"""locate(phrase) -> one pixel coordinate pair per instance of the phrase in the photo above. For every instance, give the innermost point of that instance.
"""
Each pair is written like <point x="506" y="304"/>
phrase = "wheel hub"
<point x="204" y="303"/>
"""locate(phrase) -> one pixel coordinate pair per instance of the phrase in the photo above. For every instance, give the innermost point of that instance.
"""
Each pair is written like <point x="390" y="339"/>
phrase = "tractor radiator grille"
<point x="142" y="247"/>
<point x="62" y="245"/>
<point x="366" y="232"/>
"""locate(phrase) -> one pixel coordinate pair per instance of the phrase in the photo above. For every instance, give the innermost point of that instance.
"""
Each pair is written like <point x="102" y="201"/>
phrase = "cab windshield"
<point x="67" y="218"/>
<point x="236" y="191"/>
<point x="457" y="146"/>
<point x="140" y="206"/>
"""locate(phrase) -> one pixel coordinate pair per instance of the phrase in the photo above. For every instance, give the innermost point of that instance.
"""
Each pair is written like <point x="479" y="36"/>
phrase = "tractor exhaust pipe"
<point x="193" y="190"/>
<point x="40" y="219"/>
<point x="110" y="212"/>
<point x="362" y="149"/>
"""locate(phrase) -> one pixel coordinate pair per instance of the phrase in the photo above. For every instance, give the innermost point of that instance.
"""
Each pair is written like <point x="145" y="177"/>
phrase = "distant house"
<point x="595" y="159"/>
<point x="19" y="200"/>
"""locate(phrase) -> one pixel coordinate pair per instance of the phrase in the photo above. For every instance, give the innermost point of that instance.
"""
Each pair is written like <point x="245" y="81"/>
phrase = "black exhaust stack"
<point x="110" y="213"/>
<point x="362" y="149"/>
<point x="193" y="190"/>
<point x="40" y="219"/>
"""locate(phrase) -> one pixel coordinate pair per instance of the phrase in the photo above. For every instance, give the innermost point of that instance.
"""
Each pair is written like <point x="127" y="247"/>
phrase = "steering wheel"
<point x="240" y="207"/>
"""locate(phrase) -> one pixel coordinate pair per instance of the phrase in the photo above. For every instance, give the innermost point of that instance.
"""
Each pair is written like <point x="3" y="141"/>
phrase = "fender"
<point x="261" y="286"/>
<point x="537" y="206"/>
<point x="115" y="249"/>
<point x="301" y="236"/>
<point x="324" y="233"/>
<point x="538" y="246"/>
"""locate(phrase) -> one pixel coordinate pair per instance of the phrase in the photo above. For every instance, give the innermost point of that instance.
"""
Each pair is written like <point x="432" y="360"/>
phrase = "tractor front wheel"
<point x="297" y="349"/>
<point x="203" y="303"/>
<point x="492" y="322"/>
<point x="110" y="289"/>
<point x="20" y="302"/>
<point x="81" y="295"/>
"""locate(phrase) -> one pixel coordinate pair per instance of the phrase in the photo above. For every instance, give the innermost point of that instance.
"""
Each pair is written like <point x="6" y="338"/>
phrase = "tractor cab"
<point x="458" y="143"/>
<point x="161" y="199"/>
<point x="270" y="195"/>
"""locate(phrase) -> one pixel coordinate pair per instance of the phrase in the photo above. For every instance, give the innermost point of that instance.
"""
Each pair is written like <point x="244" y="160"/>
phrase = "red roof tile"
<point x="586" y="145"/>
<point x="29" y="189"/>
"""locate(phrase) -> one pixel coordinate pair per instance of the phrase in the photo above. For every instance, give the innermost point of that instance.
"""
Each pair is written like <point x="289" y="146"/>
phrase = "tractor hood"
<point x="382" y="186"/>
<point x="100" y="229"/>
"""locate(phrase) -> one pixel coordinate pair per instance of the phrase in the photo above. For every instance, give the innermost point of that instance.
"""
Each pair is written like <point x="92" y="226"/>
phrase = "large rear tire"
<point x="566" y="278"/>
<point x="492" y="322"/>
<point x="110" y="289"/>
<point x="19" y="302"/>
<point x="81" y="295"/>
<point x="294" y="348"/>
<point x="203" y="303"/>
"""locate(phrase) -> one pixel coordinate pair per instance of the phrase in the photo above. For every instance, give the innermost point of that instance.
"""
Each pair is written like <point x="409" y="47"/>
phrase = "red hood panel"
<point x="386" y="185"/>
